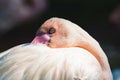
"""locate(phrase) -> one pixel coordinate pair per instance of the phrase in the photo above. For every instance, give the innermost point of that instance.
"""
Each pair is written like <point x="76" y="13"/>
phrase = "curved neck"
<point x="96" y="50"/>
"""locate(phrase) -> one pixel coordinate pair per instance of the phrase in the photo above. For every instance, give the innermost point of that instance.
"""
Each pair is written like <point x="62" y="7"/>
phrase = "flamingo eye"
<point x="51" y="30"/>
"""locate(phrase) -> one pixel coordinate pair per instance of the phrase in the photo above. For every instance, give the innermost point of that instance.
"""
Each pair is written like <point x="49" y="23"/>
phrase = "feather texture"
<point x="39" y="62"/>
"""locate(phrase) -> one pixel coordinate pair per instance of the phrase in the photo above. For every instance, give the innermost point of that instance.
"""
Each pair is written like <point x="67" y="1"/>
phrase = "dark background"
<point x="91" y="15"/>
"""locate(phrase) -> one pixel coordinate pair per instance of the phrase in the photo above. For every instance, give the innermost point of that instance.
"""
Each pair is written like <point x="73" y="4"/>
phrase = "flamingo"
<point x="61" y="50"/>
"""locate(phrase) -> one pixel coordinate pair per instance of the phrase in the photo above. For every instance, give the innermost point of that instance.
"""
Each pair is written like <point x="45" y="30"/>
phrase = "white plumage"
<point x="39" y="62"/>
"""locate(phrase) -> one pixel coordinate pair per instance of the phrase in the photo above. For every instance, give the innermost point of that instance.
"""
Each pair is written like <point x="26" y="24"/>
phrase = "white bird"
<point x="61" y="50"/>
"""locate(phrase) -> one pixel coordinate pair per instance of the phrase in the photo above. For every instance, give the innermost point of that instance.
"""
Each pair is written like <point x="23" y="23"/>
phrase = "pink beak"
<point x="44" y="39"/>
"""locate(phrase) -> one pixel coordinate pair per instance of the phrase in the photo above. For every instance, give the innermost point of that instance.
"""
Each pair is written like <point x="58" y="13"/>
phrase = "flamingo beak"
<point x="44" y="39"/>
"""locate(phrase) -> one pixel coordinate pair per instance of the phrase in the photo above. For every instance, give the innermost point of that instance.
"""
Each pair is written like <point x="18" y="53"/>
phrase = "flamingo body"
<point x="39" y="62"/>
<point x="61" y="50"/>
